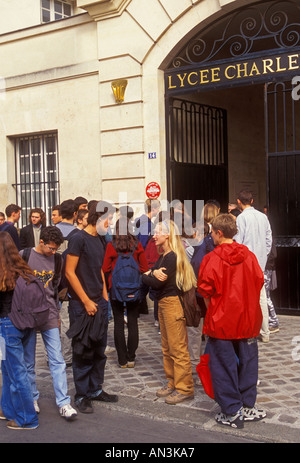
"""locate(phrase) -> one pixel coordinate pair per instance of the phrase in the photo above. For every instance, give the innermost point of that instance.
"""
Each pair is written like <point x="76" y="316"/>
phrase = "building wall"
<point x="61" y="80"/>
<point x="56" y="89"/>
<point x="17" y="15"/>
<point x="133" y="47"/>
<point x="21" y="14"/>
<point x="139" y="52"/>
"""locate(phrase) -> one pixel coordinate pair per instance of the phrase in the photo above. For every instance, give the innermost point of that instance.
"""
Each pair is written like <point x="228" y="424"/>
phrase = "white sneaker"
<point x="234" y="421"/>
<point x="36" y="406"/>
<point x="67" y="412"/>
<point x="109" y="349"/>
<point x="253" y="414"/>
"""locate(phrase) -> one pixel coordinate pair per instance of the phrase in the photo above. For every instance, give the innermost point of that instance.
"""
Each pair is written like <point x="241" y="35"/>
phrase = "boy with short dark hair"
<point x="56" y="215"/>
<point x="13" y="213"/>
<point x="230" y="280"/>
<point x="81" y="203"/>
<point x="68" y="213"/>
<point x="47" y="268"/>
<point x="2" y="218"/>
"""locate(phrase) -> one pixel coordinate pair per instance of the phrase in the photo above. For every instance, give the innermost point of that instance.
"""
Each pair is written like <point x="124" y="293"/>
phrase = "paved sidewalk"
<point x="278" y="392"/>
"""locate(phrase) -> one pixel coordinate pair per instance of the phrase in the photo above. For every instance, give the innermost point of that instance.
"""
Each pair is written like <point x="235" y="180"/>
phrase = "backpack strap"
<point x="5" y="226"/>
<point x="26" y="254"/>
<point x="57" y="271"/>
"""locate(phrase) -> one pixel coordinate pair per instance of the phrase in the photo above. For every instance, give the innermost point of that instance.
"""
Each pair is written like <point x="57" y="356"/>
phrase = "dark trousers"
<point x="234" y="372"/>
<point x="126" y="351"/>
<point x="89" y="373"/>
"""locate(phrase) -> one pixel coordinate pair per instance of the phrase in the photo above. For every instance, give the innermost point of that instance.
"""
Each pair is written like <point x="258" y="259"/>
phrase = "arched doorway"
<point x="232" y="120"/>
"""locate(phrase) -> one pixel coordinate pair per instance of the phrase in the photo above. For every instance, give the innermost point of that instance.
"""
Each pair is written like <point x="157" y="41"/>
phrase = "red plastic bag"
<point x="204" y="374"/>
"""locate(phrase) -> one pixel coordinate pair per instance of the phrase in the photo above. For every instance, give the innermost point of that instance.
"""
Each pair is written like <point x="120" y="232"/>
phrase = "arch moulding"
<point x="154" y="64"/>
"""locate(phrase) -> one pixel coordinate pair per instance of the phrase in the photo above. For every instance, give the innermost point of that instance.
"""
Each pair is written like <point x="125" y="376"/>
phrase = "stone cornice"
<point x="103" y="9"/>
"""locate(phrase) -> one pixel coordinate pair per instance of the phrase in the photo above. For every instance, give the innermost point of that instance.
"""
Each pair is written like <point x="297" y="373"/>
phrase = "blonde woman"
<point x="210" y="211"/>
<point x="172" y="274"/>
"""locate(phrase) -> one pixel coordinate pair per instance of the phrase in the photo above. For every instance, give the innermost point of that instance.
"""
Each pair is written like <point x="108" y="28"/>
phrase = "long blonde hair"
<point x="185" y="275"/>
<point x="210" y="211"/>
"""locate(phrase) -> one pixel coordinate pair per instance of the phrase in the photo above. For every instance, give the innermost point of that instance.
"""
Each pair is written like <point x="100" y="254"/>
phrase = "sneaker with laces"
<point x="2" y="417"/>
<point x="234" y="421"/>
<point x="109" y="350"/>
<point x="67" y="412"/>
<point x="253" y="414"/>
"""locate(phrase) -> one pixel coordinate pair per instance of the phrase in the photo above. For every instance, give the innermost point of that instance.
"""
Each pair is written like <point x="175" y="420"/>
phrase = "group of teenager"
<point x="91" y="239"/>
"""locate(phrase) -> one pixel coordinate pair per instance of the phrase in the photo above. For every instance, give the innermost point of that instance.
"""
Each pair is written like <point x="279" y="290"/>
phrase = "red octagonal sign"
<point x="153" y="190"/>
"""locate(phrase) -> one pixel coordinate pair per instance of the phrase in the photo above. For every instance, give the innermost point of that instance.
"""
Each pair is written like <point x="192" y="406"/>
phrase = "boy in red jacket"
<point x="230" y="280"/>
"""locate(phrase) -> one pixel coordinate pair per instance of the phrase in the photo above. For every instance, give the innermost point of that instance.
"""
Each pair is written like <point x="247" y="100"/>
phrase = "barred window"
<point x="36" y="164"/>
<point x="53" y="10"/>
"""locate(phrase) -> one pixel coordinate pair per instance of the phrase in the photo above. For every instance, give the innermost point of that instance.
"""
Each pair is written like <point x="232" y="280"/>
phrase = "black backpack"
<point x="29" y="308"/>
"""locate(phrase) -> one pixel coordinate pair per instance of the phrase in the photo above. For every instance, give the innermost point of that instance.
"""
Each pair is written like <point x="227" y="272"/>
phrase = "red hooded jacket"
<point x="232" y="278"/>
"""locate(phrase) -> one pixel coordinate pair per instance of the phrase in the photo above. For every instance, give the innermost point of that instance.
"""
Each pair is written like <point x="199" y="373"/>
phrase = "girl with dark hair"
<point x="124" y="242"/>
<point x="16" y="400"/>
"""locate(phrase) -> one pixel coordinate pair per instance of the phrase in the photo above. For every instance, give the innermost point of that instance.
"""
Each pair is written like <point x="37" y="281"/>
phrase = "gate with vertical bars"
<point x="196" y="152"/>
<point x="282" y="119"/>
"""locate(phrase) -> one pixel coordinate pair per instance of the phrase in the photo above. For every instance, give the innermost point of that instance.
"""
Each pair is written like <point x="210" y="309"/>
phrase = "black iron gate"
<point x="282" y="116"/>
<point x="196" y="152"/>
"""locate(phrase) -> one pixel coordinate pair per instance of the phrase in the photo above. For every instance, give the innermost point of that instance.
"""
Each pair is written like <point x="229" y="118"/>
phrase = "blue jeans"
<point x="57" y="366"/>
<point x="89" y="373"/>
<point x="16" y="400"/>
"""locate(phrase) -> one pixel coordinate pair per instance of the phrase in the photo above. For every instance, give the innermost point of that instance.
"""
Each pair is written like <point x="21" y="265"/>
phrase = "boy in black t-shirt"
<point x="88" y="296"/>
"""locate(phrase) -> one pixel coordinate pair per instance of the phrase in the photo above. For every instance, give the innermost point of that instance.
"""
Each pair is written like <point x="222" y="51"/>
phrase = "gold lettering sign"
<point x="262" y="68"/>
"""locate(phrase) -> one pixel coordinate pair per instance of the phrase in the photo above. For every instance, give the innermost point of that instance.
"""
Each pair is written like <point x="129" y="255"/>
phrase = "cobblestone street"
<point x="279" y="376"/>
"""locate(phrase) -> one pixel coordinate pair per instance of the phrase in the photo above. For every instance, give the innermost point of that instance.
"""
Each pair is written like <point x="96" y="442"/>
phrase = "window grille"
<point x="36" y="164"/>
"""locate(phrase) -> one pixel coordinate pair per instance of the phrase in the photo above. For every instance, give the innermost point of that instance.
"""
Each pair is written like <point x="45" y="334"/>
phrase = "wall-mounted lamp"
<point x="119" y="87"/>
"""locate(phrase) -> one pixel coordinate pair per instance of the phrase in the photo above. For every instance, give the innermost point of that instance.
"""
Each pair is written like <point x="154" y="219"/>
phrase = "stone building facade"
<point x="198" y="70"/>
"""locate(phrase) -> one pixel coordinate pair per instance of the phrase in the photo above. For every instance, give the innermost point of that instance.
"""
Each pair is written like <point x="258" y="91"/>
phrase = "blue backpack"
<point x="126" y="279"/>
